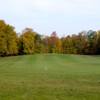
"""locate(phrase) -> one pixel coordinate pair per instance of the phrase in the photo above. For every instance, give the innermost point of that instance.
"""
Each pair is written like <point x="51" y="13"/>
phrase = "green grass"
<point x="50" y="77"/>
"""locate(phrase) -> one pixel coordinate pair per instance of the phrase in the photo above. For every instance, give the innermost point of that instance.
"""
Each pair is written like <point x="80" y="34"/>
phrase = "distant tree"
<point x="45" y="45"/>
<point x="8" y="40"/>
<point x="11" y="40"/>
<point x="79" y="42"/>
<point x="38" y="43"/>
<point x="52" y="42"/>
<point x="68" y="45"/>
<point x="58" y="48"/>
<point x="55" y="45"/>
<point x="3" y="46"/>
<point x="30" y="42"/>
<point x="92" y="36"/>
<point x="98" y="43"/>
<point x="27" y="42"/>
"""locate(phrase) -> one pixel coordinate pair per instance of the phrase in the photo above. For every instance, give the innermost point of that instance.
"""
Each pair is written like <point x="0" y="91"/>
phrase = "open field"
<point x="50" y="77"/>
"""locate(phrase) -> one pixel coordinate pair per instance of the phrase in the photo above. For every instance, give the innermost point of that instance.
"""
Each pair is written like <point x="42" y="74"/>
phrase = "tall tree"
<point x="8" y="40"/>
<point x="91" y="35"/>
<point x="38" y="43"/>
<point x="26" y="42"/>
<point x="98" y="43"/>
<point x="55" y="45"/>
<point x="68" y="45"/>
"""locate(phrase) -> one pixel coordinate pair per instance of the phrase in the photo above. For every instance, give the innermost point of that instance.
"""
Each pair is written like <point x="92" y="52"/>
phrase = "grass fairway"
<point x="50" y="77"/>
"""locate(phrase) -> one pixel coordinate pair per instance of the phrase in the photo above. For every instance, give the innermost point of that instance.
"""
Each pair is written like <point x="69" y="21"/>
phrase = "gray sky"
<point x="44" y="16"/>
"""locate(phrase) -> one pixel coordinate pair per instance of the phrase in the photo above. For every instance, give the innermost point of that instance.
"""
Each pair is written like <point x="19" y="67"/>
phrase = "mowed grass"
<point x="50" y="77"/>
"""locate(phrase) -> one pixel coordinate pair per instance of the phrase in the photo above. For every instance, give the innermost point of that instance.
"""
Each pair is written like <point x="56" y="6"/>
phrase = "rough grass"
<point x="50" y="77"/>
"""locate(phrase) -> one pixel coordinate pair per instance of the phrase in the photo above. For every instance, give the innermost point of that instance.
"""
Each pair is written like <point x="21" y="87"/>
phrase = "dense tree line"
<point x="30" y="42"/>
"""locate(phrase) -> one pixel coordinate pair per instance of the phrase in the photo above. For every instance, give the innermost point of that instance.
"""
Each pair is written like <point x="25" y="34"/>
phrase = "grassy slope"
<point x="50" y="77"/>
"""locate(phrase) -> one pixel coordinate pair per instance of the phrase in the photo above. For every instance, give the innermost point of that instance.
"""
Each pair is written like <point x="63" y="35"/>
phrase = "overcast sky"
<point x="45" y="16"/>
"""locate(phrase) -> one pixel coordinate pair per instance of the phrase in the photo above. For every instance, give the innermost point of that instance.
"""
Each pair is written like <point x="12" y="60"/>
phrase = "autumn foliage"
<point x="30" y="42"/>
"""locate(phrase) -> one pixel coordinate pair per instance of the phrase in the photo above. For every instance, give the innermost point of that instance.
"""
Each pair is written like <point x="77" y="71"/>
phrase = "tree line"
<point x="31" y="42"/>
